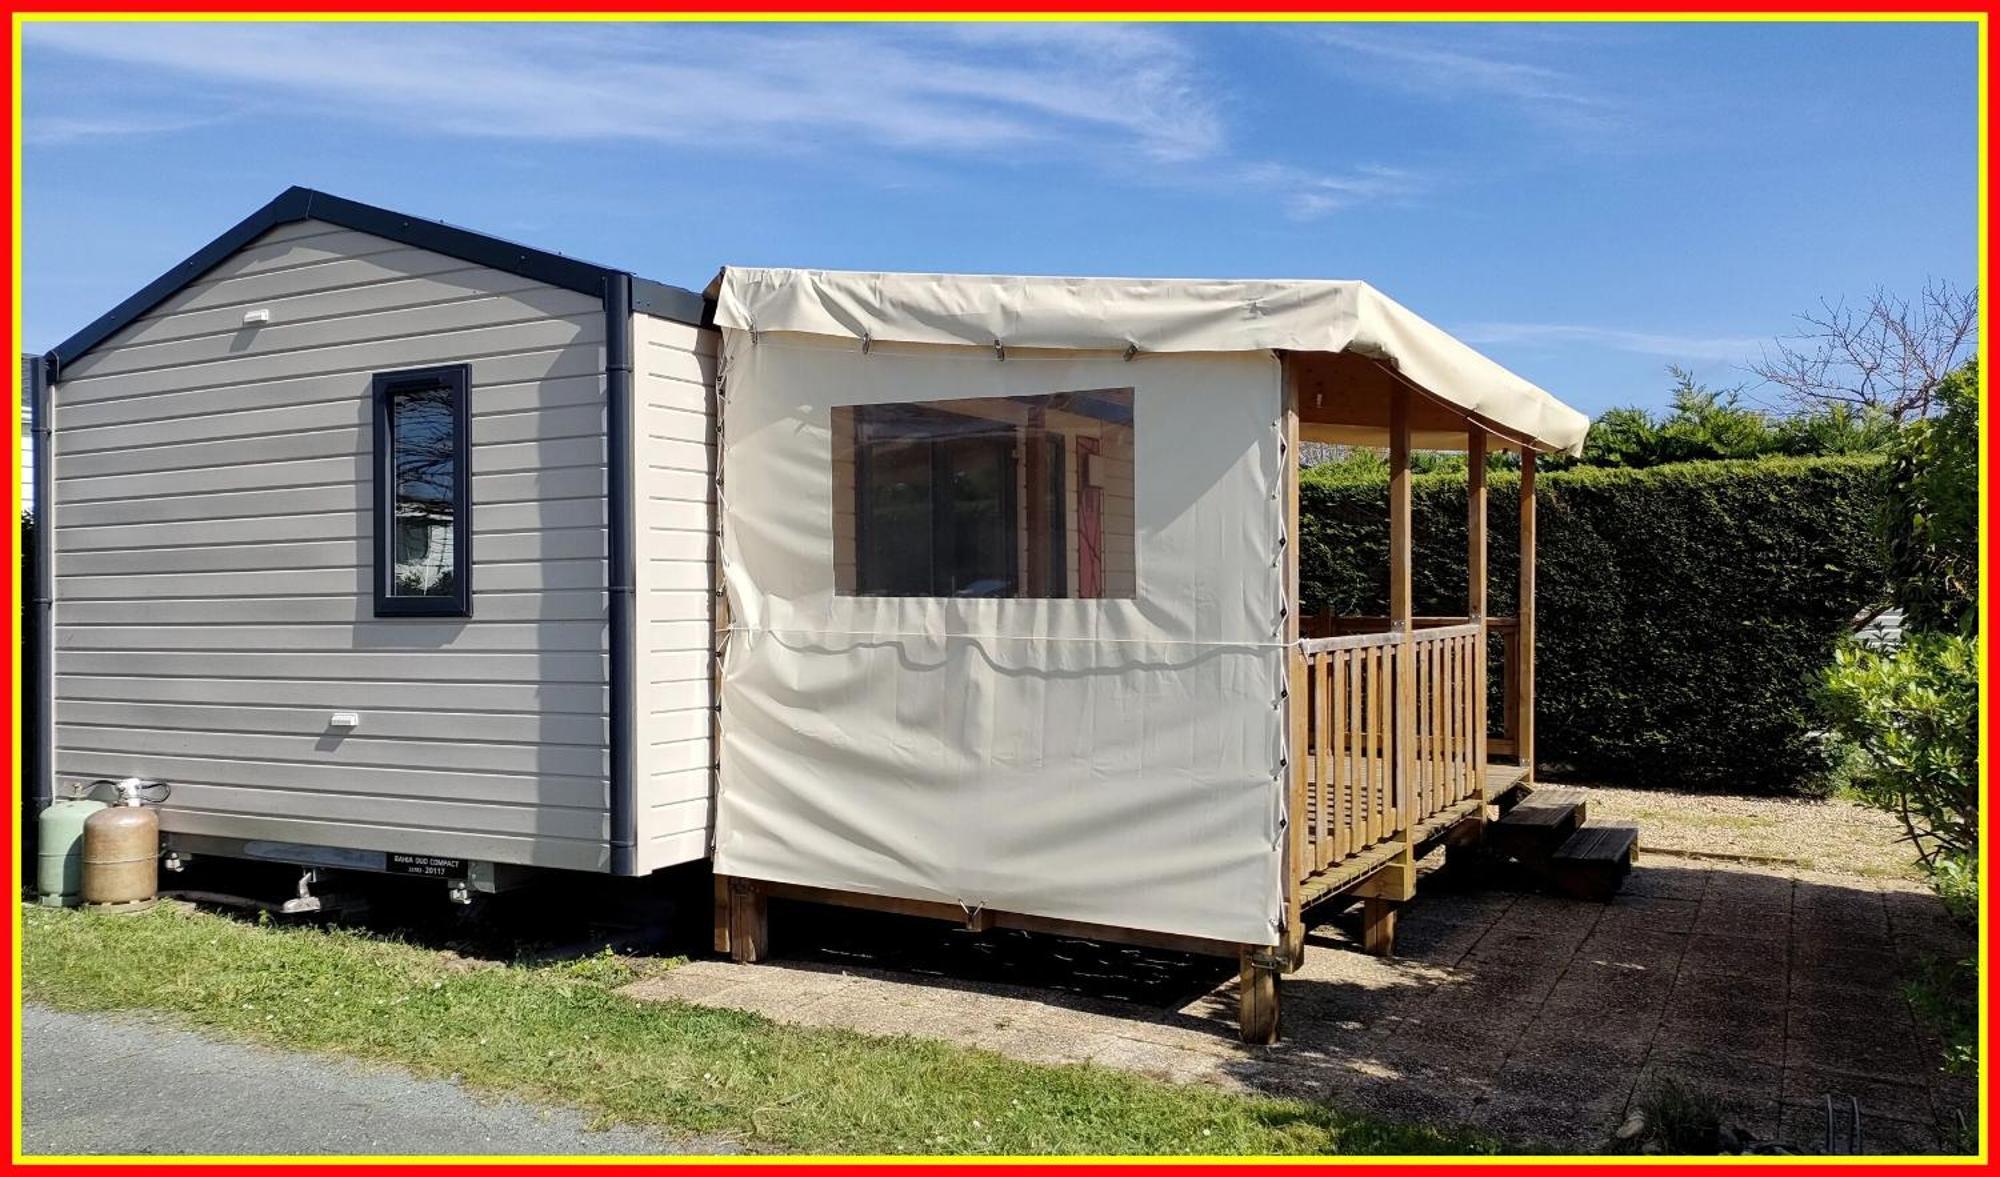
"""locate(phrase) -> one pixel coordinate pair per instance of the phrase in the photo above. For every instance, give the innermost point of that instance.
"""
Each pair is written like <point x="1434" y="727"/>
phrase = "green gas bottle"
<point x="59" y="865"/>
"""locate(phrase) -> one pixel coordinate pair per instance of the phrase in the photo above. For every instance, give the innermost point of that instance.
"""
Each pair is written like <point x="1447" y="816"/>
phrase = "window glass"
<point x="421" y="425"/>
<point x="421" y="506"/>
<point x="1028" y="496"/>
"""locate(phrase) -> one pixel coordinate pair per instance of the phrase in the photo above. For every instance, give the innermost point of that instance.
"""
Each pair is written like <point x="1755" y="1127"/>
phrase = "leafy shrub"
<point x="1684" y="612"/>
<point x="1914" y="715"/>
<point x="1930" y="515"/>
<point x="1701" y="424"/>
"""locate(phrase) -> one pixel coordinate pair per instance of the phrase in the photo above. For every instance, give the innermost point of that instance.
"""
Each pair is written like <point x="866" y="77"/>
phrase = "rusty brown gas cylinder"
<point x="121" y="858"/>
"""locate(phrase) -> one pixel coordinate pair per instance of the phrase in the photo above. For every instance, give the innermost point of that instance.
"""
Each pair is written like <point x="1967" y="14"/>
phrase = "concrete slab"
<point x="1534" y="1017"/>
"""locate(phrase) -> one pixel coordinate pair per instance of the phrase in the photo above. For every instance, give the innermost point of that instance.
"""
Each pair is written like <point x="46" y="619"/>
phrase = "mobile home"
<point x="393" y="545"/>
<point x="346" y="518"/>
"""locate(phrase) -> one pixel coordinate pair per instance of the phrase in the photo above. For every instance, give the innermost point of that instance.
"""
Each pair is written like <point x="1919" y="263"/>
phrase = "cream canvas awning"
<point x="1149" y="315"/>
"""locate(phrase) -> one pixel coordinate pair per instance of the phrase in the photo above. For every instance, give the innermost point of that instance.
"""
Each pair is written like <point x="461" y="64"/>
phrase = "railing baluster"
<point x="1385" y="799"/>
<point x="1359" y="735"/>
<point x="1324" y="766"/>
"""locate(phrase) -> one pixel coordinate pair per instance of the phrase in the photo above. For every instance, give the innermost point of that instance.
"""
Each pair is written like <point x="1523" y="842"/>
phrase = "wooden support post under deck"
<point x="1475" y="597"/>
<point x="1524" y="678"/>
<point x="749" y="921"/>
<point x="1296" y="695"/>
<point x="1378" y="926"/>
<point x="722" y="915"/>
<point x="1257" y="999"/>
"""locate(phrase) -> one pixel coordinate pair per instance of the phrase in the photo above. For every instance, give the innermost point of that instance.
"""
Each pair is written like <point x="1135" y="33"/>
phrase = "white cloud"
<point x="1680" y="347"/>
<point x="912" y="89"/>
<point x="1446" y="64"/>
<point x="51" y="130"/>
<point x="1131" y="99"/>
<point x="1311" y="195"/>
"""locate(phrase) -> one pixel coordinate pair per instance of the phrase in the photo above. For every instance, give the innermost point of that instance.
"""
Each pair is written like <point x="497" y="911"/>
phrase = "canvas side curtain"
<point x="1112" y="759"/>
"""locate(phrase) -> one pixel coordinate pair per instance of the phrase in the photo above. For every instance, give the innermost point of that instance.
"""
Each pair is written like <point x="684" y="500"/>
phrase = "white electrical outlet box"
<point x="345" y="719"/>
<point x="256" y="316"/>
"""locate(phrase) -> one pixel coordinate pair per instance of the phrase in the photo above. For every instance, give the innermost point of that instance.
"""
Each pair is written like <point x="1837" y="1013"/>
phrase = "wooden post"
<point x="1035" y="560"/>
<point x="1296" y="693"/>
<point x="1524" y="648"/>
<point x="1257" y="1000"/>
<point x="749" y="922"/>
<point x="1475" y="598"/>
<point x="722" y="915"/>
<point x="1400" y="606"/>
<point x="1378" y="926"/>
<point x="1378" y="914"/>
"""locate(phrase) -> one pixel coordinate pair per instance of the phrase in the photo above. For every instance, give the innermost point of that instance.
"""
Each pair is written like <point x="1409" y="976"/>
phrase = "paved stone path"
<point x="97" y="1085"/>
<point x="1537" y="1018"/>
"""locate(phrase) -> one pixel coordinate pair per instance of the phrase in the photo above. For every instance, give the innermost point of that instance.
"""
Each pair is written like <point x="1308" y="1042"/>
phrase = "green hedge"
<point x="1685" y="612"/>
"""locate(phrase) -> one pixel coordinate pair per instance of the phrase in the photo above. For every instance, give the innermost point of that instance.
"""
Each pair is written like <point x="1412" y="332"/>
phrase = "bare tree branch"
<point x="1887" y="355"/>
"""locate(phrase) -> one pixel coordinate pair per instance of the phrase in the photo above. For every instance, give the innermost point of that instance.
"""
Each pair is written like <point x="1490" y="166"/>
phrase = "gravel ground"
<point x="1833" y="836"/>
<point x="121" y="1085"/>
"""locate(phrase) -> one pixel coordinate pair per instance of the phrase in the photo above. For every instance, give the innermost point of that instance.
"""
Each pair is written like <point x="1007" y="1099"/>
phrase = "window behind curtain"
<point x="422" y="493"/>
<point x="986" y="497"/>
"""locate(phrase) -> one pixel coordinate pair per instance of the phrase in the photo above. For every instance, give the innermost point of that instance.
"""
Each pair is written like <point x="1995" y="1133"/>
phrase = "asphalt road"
<point x="96" y="1084"/>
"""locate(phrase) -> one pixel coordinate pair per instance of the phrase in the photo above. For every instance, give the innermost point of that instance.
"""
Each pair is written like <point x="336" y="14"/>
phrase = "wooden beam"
<point x="1403" y="756"/>
<point x="1378" y="926"/>
<point x="1524" y="649"/>
<point x="1296" y="695"/>
<point x="722" y="915"/>
<point x="1035" y="565"/>
<point x="1257" y="1000"/>
<point x="749" y="922"/>
<point x="1475" y="596"/>
<point x="1395" y="880"/>
<point x="986" y="919"/>
<point x="1399" y="511"/>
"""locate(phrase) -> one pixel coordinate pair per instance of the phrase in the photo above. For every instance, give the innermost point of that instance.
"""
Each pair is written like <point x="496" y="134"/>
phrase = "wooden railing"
<point x="1350" y="799"/>
<point x="1503" y="661"/>
<point x="1500" y="739"/>
<point x="1445" y="768"/>
<point x="1363" y="724"/>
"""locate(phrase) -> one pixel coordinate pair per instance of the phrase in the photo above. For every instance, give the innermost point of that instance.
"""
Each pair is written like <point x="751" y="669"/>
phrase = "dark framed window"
<point x="423" y="493"/>
<point x="1023" y="496"/>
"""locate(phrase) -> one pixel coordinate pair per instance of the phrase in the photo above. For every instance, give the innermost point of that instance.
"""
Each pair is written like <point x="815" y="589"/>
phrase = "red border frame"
<point x="1169" y="9"/>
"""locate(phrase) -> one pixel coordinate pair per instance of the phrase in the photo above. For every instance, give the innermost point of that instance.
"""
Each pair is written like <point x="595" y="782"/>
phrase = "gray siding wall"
<point x="673" y="386"/>
<point x="214" y="569"/>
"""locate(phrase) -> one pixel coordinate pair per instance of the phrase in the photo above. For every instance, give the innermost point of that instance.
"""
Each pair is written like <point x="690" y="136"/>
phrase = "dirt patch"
<point x="1834" y="836"/>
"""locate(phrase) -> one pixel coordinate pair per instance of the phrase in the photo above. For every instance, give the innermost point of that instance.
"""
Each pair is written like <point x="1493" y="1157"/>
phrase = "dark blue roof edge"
<point x="300" y="204"/>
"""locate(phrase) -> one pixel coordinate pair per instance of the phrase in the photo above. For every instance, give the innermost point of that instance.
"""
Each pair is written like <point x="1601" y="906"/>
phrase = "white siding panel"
<point x="538" y="304"/>
<point x="542" y="367"/>
<point x="255" y="290"/>
<point x="214" y="566"/>
<point x="457" y="283"/>
<point x="674" y="464"/>
<point x="512" y="700"/>
<point x="294" y="433"/>
<point x="378" y="723"/>
<point x="416" y="349"/>
<point x="342" y="609"/>
<point x="495" y="518"/>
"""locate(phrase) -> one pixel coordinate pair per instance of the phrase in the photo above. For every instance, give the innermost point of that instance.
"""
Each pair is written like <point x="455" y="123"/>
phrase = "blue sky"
<point x="1586" y="203"/>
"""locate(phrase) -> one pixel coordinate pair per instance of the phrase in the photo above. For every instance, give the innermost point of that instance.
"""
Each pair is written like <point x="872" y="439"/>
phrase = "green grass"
<point x="563" y="1034"/>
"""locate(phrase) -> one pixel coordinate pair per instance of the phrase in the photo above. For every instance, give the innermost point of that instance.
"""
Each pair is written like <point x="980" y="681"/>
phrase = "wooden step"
<point x="1539" y="824"/>
<point x="1507" y="785"/>
<point x="1593" y="862"/>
